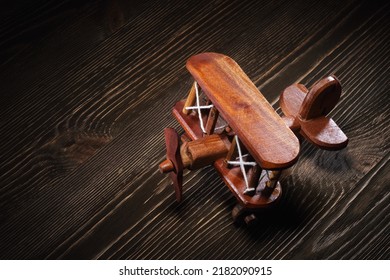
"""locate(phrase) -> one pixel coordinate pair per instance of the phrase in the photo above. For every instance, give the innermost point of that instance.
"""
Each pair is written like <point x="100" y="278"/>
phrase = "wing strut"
<point x="198" y="107"/>
<point x="242" y="164"/>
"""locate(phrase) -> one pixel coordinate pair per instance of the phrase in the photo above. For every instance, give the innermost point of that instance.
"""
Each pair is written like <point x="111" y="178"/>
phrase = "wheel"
<point x="251" y="220"/>
<point x="238" y="214"/>
<point x="242" y="216"/>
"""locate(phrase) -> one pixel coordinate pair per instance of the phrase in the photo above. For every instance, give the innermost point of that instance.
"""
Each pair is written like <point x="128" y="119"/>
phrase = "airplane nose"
<point x="166" y="166"/>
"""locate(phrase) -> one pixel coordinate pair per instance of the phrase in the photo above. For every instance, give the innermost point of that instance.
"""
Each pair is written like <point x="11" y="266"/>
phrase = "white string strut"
<point x="242" y="163"/>
<point x="266" y="172"/>
<point x="199" y="107"/>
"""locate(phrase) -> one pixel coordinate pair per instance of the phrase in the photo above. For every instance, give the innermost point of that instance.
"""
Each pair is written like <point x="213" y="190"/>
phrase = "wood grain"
<point x="244" y="108"/>
<point x="305" y="112"/>
<point x="88" y="86"/>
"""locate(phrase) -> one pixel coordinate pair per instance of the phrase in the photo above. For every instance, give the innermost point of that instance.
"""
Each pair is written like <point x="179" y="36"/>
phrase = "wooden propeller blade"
<point x="177" y="180"/>
<point x="172" y="142"/>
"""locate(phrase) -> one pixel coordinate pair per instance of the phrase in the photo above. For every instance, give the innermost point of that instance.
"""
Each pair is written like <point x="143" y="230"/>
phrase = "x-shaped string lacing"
<point x="240" y="161"/>
<point x="242" y="164"/>
<point x="198" y="107"/>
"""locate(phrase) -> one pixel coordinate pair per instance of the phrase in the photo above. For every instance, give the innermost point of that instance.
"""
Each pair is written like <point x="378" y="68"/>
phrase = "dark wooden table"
<point x="87" y="88"/>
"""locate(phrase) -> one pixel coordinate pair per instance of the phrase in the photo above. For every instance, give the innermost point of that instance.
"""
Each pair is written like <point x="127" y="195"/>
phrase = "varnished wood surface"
<point x="232" y="176"/>
<point x="88" y="86"/>
<point x="306" y="112"/>
<point x="244" y="108"/>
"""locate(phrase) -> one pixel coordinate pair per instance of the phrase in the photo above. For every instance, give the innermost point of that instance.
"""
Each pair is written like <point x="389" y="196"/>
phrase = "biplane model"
<point x="228" y="123"/>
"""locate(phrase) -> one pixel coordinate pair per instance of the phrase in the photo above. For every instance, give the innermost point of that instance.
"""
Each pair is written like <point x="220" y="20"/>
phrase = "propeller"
<point x="173" y="164"/>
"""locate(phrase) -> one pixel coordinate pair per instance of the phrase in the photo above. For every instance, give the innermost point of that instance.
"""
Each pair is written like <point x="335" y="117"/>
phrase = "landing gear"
<point x="243" y="216"/>
<point x="267" y="192"/>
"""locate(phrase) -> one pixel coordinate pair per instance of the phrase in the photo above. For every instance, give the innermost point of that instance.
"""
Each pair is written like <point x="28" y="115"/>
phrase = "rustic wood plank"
<point x="78" y="174"/>
<point x="150" y="244"/>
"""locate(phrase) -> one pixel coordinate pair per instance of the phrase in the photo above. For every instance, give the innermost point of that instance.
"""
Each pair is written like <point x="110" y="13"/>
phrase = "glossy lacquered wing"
<point x="248" y="113"/>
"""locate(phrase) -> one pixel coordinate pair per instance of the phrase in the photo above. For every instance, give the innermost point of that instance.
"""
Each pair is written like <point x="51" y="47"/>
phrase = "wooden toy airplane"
<point x="238" y="131"/>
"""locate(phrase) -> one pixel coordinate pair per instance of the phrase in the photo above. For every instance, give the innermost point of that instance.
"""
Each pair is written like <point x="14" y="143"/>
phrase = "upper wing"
<point x="259" y="127"/>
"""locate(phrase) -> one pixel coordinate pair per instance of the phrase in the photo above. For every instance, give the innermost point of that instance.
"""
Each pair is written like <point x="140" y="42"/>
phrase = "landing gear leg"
<point x="242" y="216"/>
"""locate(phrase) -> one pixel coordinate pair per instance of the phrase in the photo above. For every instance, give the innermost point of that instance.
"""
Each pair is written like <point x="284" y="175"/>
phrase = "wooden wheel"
<point x="242" y="216"/>
<point x="251" y="220"/>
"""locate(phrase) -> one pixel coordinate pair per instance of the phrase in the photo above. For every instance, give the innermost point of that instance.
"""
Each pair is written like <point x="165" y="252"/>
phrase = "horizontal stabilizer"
<point x="324" y="133"/>
<point x="291" y="99"/>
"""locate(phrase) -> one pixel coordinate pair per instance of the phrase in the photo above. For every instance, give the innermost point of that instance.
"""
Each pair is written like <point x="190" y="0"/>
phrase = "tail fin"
<point x="306" y="111"/>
